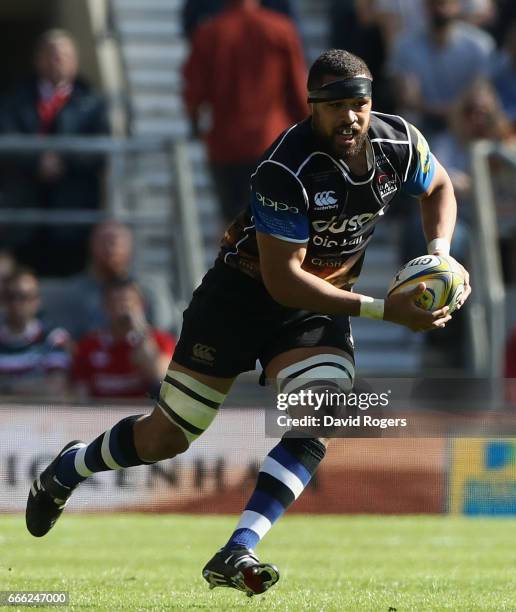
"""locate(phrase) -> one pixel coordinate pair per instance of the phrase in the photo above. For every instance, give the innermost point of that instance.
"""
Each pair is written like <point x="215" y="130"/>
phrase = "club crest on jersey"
<point x="325" y="198"/>
<point x="386" y="184"/>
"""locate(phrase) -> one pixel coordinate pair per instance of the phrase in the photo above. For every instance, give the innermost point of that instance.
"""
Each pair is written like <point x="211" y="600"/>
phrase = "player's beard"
<point x="344" y="152"/>
<point x="354" y="149"/>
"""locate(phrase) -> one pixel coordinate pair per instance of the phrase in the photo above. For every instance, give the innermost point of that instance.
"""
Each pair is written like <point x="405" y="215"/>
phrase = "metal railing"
<point x="186" y="243"/>
<point x="487" y="311"/>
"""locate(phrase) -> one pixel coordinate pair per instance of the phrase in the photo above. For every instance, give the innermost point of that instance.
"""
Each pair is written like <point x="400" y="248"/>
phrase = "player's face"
<point x="342" y="125"/>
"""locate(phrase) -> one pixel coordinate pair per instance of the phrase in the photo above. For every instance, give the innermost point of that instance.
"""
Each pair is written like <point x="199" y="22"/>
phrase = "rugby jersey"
<point x="27" y="357"/>
<point x="302" y="194"/>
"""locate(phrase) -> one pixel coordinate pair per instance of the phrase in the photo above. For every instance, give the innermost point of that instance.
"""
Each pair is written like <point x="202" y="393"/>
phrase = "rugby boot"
<point x="48" y="497"/>
<point x="240" y="568"/>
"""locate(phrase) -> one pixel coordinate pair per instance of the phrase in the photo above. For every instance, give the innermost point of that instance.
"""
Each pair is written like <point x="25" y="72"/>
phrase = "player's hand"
<point x="465" y="273"/>
<point x="400" y="308"/>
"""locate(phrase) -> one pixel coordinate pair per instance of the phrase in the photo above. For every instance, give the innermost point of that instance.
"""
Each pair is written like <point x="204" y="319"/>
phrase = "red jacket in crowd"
<point x="247" y="66"/>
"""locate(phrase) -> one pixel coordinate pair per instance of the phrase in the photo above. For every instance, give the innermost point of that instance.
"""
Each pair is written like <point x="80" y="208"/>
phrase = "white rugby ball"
<point x="444" y="281"/>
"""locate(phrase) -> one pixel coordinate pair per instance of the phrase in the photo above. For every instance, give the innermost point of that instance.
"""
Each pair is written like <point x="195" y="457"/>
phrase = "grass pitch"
<point x="338" y="563"/>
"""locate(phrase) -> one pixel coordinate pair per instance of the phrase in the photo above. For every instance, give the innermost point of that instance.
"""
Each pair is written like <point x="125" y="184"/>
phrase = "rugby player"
<point x="281" y="291"/>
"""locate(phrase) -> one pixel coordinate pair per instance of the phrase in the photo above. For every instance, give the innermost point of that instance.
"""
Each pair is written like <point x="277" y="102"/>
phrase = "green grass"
<point x="338" y="563"/>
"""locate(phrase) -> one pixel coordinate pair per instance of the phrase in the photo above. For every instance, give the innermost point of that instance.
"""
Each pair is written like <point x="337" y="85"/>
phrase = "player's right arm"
<point x="291" y="286"/>
<point x="282" y="228"/>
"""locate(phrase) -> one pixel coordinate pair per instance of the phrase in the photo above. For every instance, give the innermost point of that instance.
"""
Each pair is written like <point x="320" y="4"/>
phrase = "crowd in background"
<point x="96" y="337"/>
<point x="448" y="66"/>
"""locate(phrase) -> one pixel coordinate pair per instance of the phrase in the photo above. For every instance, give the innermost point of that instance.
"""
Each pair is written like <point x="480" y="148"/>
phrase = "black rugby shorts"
<point x="232" y="322"/>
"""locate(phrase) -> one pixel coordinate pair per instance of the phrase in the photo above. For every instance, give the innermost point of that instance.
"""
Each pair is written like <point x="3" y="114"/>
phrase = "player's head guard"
<point x="354" y="87"/>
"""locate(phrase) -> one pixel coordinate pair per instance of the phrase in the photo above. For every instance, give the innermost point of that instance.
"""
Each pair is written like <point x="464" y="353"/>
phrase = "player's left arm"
<point x="438" y="210"/>
<point x="438" y="216"/>
<point x="428" y="181"/>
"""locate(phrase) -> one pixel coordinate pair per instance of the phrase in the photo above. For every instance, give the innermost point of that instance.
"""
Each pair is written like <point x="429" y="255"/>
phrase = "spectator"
<point x="33" y="359"/>
<point x="54" y="102"/>
<point x="196" y="11"/>
<point x="397" y="17"/>
<point x="477" y="115"/>
<point x="128" y="358"/>
<point x="435" y="67"/>
<point x="358" y="27"/>
<point x="246" y="65"/>
<point x="504" y="74"/>
<point x="77" y="302"/>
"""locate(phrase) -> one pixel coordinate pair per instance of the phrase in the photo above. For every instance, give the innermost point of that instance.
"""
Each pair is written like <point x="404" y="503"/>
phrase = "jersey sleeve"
<point x="279" y="203"/>
<point x="421" y="169"/>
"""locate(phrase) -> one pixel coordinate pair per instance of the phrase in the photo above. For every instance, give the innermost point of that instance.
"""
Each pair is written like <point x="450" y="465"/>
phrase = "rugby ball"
<point x="443" y="278"/>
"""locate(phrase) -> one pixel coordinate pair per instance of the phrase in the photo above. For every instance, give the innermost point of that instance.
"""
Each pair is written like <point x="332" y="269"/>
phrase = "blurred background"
<point x="127" y="129"/>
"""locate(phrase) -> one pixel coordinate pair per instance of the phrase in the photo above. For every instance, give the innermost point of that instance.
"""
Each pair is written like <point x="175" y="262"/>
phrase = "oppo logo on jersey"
<point x="335" y="226"/>
<point x="277" y="206"/>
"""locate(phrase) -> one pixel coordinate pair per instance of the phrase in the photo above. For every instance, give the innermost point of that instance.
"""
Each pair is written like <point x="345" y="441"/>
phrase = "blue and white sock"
<point x="286" y="471"/>
<point x="113" y="450"/>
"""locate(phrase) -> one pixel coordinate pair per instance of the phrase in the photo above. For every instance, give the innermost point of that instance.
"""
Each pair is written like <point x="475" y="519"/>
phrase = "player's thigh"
<point x="218" y="341"/>
<point x="309" y="345"/>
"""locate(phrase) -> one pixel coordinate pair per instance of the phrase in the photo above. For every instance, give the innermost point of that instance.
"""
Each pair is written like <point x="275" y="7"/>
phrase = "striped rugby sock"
<point x="113" y="450"/>
<point x="286" y="471"/>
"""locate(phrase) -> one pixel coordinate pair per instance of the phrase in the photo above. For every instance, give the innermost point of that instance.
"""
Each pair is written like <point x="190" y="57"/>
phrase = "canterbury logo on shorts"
<point x="204" y="353"/>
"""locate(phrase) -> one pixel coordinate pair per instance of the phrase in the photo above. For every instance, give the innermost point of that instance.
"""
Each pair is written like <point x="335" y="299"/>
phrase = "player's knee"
<point x="322" y="378"/>
<point x="320" y="385"/>
<point x="188" y="406"/>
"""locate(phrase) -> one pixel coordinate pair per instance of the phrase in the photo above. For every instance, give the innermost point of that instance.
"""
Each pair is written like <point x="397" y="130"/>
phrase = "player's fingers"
<point x="417" y="290"/>
<point x="437" y="314"/>
<point x="465" y="295"/>
<point x="441" y="322"/>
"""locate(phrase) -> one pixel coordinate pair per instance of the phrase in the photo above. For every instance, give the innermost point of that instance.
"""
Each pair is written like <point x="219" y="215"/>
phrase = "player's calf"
<point x="156" y="438"/>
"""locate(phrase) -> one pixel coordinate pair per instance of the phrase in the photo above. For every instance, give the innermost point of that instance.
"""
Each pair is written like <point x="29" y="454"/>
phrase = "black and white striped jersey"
<point x="301" y="194"/>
